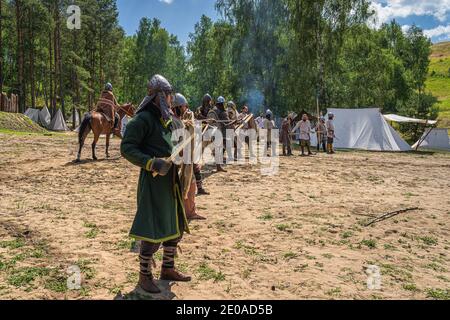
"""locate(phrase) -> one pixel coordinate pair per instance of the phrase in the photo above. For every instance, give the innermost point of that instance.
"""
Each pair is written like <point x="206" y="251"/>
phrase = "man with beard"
<point x="160" y="217"/>
<point x="220" y="120"/>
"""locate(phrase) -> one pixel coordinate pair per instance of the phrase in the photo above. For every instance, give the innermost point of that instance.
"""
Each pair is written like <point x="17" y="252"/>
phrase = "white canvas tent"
<point x="364" y="129"/>
<point x="33" y="114"/>
<point x="58" y="123"/>
<point x="44" y="117"/>
<point x="434" y="139"/>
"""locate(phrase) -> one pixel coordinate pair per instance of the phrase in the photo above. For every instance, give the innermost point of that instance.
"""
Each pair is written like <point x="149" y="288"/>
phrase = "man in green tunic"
<point x="160" y="217"/>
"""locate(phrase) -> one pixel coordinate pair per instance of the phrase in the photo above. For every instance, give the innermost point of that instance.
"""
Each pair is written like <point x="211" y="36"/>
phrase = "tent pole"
<point x="424" y="138"/>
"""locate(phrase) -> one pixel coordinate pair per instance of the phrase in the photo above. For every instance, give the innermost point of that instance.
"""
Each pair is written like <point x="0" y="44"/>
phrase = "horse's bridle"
<point x="126" y="112"/>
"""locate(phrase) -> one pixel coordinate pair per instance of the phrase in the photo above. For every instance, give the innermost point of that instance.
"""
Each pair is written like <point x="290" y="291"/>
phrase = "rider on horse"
<point x="107" y="105"/>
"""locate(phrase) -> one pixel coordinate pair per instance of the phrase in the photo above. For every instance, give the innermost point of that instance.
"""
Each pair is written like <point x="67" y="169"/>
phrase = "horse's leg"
<point x="94" y="144"/>
<point x="82" y="141"/>
<point x="108" y="137"/>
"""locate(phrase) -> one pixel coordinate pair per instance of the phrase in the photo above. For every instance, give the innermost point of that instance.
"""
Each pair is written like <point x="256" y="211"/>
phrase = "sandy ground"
<point x="297" y="235"/>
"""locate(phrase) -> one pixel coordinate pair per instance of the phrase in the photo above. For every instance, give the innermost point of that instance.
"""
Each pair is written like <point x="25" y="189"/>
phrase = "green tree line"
<point x="286" y="55"/>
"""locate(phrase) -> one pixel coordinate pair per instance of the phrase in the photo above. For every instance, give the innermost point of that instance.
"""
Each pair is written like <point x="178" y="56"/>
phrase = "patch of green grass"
<point x="410" y="287"/>
<point x="57" y="282"/>
<point x="434" y="266"/>
<point x="429" y="241"/>
<point x="389" y="247"/>
<point x="335" y="292"/>
<point x="116" y="290"/>
<point x="126" y="244"/>
<point x="93" y="231"/>
<point x="438" y="294"/>
<point x="266" y="217"/>
<point x="249" y="250"/>
<point x="283" y="228"/>
<point x="25" y="276"/>
<point x="443" y="278"/>
<point x="372" y="244"/>
<point x="290" y="255"/>
<point x="347" y="235"/>
<point x="207" y="273"/>
<point x="221" y="225"/>
<point x="13" y="244"/>
<point x="132" y="277"/>
<point x="85" y="267"/>
<point x="397" y="273"/>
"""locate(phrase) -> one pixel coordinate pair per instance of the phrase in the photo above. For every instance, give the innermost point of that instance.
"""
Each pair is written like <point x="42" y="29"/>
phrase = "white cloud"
<point x="166" y="1"/>
<point x="441" y="32"/>
<point x="390" y="9"/>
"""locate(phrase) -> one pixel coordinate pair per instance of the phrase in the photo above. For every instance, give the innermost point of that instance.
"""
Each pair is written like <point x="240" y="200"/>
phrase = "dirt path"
<point x="297" y="235"/>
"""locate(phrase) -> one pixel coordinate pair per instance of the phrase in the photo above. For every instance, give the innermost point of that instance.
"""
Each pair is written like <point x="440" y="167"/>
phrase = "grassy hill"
<point x="439" y="80"/>
<point x="16" y="122"/>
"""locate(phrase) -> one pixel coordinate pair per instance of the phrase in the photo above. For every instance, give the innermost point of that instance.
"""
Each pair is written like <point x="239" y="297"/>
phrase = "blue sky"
<point x="177" y="16"/>
<point x="180" y="16"/>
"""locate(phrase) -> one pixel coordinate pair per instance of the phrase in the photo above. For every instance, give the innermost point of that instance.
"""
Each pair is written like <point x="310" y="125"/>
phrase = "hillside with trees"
<point x="438" y="82"/>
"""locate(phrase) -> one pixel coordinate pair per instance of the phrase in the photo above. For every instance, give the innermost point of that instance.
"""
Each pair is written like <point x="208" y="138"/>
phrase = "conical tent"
<point x="58" y="123"/>
<point x="365" y="129"/>
<point x="33" y="114"/>
<point x="434" y="139"/>
<point x="44" y="117"/>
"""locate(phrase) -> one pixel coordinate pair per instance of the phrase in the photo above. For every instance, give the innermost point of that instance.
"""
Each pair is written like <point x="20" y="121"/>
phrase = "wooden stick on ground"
<point x="390" y="215"/>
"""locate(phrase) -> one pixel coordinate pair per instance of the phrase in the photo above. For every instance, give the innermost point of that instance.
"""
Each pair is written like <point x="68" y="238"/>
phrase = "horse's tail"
<point x="86" y="124"/>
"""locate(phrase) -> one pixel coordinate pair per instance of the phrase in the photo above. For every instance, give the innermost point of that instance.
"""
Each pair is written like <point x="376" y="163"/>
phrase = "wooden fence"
<point x="10" y="104"/>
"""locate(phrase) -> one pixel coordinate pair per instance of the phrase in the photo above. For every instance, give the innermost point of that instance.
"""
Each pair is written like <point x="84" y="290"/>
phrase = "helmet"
<point x="207" y="98"/>
<point x="158" y="87"/>
<point x="221" y="100"/>
<point x="231" y="104"/>
<point x="269" y="113"/>
<point x="159" y="84"/>
<point x="108" y="87"/>
<point x="330" y="115"/>
<point x="180" y="100"/>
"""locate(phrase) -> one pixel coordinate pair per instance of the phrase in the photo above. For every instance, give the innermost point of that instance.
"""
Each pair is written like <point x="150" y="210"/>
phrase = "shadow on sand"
<point x="88" y="161"/>
<point x="138" y="294"/>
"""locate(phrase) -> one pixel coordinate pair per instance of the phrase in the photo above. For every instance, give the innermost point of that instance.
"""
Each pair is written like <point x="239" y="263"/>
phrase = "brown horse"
<point x="99" y="124"/>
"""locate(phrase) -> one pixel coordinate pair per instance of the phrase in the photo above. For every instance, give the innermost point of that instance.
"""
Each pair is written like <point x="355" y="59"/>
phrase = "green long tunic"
<point x="160" y="213"/>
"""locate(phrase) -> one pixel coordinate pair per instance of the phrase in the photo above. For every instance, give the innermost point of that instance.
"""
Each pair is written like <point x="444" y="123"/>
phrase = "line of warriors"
<point x="325" y="131"/>
<point x="166" y="192"/>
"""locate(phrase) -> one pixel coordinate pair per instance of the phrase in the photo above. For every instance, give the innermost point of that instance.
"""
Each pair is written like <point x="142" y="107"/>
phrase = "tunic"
<point x="107" y="104"/>
<point x="330" y="129"/>
<point x="286" y="133"/>
<point x="305" y="130"/>
<point x="160" y="215"/>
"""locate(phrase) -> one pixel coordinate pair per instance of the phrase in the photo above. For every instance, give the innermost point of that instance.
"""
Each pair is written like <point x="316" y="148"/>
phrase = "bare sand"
<point x="297" y="235"/>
